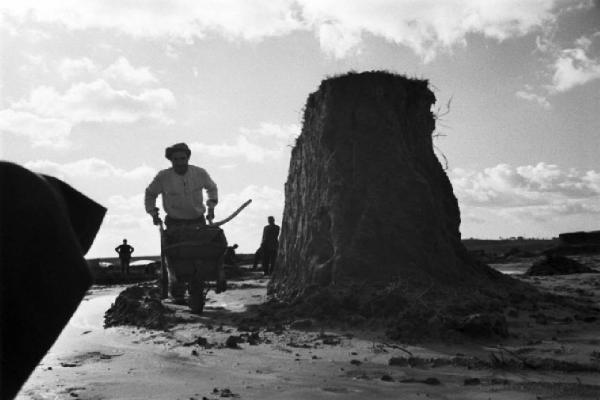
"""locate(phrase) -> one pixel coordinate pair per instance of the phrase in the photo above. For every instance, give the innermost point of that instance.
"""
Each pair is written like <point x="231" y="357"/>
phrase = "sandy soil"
<point x="547" y="356"/>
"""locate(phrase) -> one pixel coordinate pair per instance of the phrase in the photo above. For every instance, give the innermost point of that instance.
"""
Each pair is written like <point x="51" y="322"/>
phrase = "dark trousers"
<point x="124" y="265"/>
<point x="268" y="260"/>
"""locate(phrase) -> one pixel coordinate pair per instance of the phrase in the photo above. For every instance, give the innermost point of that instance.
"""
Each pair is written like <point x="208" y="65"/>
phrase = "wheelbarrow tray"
<point x="196" y="251"/>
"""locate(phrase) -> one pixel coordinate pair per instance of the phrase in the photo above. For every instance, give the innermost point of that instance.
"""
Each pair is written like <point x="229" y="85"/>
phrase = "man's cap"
<point x="177" y="147"/>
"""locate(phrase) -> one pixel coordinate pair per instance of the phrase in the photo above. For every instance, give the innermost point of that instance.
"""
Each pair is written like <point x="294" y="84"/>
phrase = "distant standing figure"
<point x="230" y="257"/>
<point x="269" y="244"/>
<point x="124" y="251"/>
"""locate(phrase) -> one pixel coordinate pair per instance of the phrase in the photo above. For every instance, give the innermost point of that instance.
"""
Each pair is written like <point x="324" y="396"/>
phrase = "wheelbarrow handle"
<point x="164" y="277"/>
<point x="232" y="216"/>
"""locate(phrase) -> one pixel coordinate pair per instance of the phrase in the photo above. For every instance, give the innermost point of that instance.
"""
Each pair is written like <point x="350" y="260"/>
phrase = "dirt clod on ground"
<point x="484" y="325"/>
<point x="139" y="306"/>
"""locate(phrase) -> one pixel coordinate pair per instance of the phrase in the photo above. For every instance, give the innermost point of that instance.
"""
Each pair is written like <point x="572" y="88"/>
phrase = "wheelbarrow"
<point x="192" y="261"/>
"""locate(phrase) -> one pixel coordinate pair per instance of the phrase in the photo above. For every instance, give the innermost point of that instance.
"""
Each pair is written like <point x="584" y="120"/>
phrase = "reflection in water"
<point x="86" y="325"/>
<point x="90" y="313"/>
<point x="511" y="268"/>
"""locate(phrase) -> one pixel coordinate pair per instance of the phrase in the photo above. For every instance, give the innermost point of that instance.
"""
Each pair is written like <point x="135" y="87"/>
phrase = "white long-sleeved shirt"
<point x="181" y="194"/>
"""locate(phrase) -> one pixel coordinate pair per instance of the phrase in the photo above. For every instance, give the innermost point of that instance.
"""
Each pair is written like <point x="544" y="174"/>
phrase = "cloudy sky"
<point x="93" y="91"/>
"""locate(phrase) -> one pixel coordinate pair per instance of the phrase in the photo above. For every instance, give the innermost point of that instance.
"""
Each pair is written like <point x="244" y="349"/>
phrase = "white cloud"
<point x="283" y="132"/>
<point x="573" y="68"/>
<point x="34" y="65"/>
<point x="14" y="29"/>
<point x="592" y="179"/>
<point x="530" y="96"/>
<point x="228" y="166"/>
<point x="122" y="203"/>
<point x="123" y="71"/>
<point x="540" y="198"/>
<point x="338" y="40"/>
<point x="124" y="223"/>
<point x="97" y="101"/>
<point x="126" y="215"/>
<point x="548" y="212"/>
<point x="70" y="68"/>
<point x="241" y="148"/>
<point x="425" y="26"/>
<point x="47" y="117"/>
<point x="41" y="131"/>
<point x="248" y="19"/>
<point x="247" y="143"/>
<point x="126" y="218"/>
<point x="567" y="67"/>
<point x="90" y="168"/>
<point x="119" y="72"/>
<point x="264" y="198"/>
<point x="583" y="43"/>
<point x="541" y="184"/>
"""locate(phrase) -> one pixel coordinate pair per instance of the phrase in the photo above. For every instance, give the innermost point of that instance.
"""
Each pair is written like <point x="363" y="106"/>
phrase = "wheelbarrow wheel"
<point x="196" y="298"/>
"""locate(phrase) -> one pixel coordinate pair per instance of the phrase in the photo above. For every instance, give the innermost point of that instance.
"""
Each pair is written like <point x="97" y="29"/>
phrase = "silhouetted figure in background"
<point x="124" y="251"/>
<point x="230" y="257"/>
<point x="46" y="227"/>
<point x="269" y="244"/>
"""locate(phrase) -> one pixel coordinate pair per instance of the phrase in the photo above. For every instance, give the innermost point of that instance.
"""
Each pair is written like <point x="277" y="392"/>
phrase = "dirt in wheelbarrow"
<point x="237" y="348"/>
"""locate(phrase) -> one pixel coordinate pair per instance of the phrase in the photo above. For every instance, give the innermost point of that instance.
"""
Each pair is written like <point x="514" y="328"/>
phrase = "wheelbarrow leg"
<point x="177" y="287"/>
<point x="221" y="278"/>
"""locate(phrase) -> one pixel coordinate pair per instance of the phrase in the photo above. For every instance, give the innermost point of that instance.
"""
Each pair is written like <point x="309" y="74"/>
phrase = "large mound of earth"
<point x="371" y="223"/>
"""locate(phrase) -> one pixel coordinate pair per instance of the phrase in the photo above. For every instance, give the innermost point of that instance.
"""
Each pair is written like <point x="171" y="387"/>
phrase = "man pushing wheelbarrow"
<point x="192" y="250"/>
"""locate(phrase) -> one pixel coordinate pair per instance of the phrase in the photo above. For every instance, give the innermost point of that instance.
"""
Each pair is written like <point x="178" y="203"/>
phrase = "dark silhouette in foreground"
<point x="46" y="228"/>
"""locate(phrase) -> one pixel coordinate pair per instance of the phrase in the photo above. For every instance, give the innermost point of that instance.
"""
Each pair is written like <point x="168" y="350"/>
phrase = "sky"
<point x="93" y="91"/>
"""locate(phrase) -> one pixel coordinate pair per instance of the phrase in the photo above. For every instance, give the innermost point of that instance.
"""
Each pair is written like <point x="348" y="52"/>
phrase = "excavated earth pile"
<point x="557" y="265"/>
<point x="139" y="306"/>
<point x="371" y="224"/>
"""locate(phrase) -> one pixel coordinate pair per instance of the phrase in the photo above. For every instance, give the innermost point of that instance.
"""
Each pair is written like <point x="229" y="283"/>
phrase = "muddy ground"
<point x="550" y="353"/>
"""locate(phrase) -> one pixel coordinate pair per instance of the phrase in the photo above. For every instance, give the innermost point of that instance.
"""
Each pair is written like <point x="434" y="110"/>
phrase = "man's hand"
<point x="155" y="218"/>
<point x="210" y="215"/>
